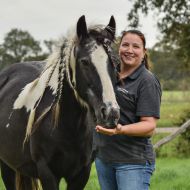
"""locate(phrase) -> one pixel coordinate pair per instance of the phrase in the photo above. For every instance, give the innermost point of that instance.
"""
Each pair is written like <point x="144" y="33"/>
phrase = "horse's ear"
<point x="82" y="31"/>
<point x="111" y="27"/>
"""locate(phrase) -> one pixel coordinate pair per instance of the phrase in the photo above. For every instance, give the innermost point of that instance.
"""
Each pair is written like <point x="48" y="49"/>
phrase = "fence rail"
<point x="172" y="135"/>
<point x="166" y="129"/>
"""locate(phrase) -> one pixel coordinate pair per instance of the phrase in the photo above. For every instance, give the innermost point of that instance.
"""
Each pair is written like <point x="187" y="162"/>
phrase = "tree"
<point x="166" y="65"/>
<point x="18" y="46"/>
<point x="174" y="23"/>
<point x="50" y="44"/>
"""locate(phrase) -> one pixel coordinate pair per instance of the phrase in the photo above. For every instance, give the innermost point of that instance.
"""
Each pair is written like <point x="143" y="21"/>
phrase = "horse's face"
<point x="95" y="74"/>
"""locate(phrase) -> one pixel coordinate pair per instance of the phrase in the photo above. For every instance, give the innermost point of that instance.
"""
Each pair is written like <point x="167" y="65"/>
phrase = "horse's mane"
<point x="53" y="74"/>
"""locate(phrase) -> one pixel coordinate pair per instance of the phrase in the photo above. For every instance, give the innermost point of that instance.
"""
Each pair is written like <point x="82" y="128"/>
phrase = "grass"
<point x="170" y="174"/>
<point x="168" y="150"/>
<point x="173" y="96"/>
<point x="1" y="184"/>
<point x="171" y="112"/>
<point x="174" y="103"/>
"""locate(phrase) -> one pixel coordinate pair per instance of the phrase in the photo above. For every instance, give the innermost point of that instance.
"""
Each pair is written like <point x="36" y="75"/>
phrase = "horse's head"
<point x="94" y="71"/>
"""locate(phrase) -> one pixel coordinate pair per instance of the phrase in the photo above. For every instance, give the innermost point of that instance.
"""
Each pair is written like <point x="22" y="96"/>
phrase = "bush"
<point x="183" y="145"/>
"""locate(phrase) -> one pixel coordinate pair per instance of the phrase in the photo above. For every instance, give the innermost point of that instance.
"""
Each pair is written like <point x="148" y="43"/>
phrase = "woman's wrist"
<point x="118" y="130"/>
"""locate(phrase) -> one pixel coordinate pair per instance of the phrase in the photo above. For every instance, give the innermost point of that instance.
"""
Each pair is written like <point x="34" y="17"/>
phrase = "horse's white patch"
<point x="99" y="59"/>
<point x="33" y="91"/>
<point x="73" y="67"/>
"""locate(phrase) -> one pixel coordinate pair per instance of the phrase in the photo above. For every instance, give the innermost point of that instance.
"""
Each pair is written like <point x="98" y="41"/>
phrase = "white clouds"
<point x="46" y="19"/>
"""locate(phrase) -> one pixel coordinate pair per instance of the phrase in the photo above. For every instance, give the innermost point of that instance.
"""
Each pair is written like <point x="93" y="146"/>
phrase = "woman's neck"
<point x="126" y="70"/>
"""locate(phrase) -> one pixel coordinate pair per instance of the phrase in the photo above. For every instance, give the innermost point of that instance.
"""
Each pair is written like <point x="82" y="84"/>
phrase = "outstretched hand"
<point x="110" y="132"/>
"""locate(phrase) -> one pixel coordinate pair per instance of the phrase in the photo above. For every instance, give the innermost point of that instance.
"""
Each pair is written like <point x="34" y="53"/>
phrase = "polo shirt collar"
<point x="137" y="72"/>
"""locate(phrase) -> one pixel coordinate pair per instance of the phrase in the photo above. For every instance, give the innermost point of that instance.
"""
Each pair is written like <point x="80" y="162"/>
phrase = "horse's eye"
<point x="85" y="62"/>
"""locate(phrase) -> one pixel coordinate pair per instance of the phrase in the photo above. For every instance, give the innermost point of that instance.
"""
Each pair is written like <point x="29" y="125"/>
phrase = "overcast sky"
<point x="50" y="19"/>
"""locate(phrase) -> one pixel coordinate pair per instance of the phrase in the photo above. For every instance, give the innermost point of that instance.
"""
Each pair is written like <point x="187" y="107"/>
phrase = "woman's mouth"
<point x="129" y="57"/>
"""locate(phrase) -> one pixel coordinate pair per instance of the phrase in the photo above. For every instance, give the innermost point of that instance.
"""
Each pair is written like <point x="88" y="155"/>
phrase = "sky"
<point x="51" y="19"/>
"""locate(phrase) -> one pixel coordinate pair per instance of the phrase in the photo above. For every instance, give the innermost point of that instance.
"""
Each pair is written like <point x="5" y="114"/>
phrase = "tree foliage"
<point x="167" y="66"/>
<point x="50" y="45"/>
<point x="174" y="23"/>
<point x="18" y="46"/>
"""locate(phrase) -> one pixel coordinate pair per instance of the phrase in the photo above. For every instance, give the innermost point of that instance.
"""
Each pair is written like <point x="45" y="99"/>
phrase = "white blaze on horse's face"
<point x="100" y="60"/>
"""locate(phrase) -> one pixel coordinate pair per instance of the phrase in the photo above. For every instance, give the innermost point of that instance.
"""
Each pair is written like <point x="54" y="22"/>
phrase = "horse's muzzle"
<point x="109" y="115"/>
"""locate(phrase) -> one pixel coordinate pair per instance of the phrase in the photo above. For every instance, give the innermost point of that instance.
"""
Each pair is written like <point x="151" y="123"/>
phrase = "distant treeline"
<point x="19" y="46"/>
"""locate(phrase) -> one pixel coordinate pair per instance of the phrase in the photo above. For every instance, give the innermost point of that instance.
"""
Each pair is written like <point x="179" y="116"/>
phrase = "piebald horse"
<point x="48" y="110"/>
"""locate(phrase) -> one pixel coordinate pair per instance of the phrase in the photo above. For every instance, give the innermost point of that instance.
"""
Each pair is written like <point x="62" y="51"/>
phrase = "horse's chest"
<point x="70" y="160"/>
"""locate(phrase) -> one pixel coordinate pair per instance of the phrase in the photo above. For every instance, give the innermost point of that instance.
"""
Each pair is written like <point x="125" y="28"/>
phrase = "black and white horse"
<point x="48" y="111"/>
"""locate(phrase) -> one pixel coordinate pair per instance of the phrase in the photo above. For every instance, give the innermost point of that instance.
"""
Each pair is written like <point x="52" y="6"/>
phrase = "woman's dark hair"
<point x="142" y="37"/>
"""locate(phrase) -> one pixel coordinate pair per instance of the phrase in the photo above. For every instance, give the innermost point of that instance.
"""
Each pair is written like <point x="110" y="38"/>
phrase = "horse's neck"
<point x="71" y="109"/>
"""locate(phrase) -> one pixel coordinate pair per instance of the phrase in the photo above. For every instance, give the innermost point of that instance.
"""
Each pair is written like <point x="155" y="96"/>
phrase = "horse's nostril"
<point x="103" y="112"/>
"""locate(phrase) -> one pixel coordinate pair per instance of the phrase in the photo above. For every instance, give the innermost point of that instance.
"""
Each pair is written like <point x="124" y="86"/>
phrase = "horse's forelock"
<point x="96" y="28"/>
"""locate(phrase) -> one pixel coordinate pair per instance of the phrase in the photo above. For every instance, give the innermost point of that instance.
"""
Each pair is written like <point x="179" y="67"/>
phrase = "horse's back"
<point x="12" y="80"/>
<point x="18" y="71"/>
<point x="16" y="76"/>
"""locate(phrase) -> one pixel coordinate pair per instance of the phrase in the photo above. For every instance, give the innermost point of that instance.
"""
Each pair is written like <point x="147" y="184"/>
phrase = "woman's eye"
<point x="125" y="45"/>
<point x="136" y="46"/>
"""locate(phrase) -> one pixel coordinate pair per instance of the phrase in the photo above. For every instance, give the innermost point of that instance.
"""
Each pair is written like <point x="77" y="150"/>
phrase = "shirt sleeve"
<point x="149" y="97"/>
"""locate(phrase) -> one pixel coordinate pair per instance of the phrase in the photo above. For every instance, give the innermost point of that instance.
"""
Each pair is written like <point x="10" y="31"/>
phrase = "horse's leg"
<point x="79" y="181"/>
<point x="46" y="177"/>
<point x="26" y="183"/>
<point x="8" y="176"/>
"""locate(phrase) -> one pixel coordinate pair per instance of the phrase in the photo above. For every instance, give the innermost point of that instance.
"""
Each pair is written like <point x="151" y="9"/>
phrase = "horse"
<point x="49" y="110"/>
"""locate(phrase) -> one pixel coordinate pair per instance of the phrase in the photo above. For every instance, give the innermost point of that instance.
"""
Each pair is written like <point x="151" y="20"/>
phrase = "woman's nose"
<point x="129" y="48"/>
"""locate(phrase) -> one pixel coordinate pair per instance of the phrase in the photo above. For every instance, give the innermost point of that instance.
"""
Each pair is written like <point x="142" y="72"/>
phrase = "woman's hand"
<point x="144" y="128"/>
<point x="110" y="132"/>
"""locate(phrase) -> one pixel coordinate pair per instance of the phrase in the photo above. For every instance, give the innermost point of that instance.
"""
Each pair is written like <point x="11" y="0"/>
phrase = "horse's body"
<point x="77" y="96"/>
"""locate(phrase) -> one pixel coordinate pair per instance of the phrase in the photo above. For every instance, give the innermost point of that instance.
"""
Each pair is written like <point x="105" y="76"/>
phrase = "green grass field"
<point x="174" y="103"/>
<point x="171" y="173"/>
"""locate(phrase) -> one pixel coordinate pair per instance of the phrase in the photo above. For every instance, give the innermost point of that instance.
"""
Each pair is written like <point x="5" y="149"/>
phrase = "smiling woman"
<point x="125" y="158"/>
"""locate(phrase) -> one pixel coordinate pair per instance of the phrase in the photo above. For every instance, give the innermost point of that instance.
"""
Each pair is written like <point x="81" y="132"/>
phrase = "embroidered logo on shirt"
<point x="122" y="90"/>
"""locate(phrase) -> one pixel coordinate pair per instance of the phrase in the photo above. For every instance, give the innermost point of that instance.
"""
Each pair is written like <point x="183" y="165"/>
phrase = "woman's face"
<point x="131" y="50"/>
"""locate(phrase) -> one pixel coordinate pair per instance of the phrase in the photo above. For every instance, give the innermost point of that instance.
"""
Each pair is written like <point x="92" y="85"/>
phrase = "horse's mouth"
<point x="106" y="124"/>
<point x="109" y="121"/>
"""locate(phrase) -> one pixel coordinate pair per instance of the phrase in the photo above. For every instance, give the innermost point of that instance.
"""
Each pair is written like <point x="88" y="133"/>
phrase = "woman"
<point x="125" y="160"/>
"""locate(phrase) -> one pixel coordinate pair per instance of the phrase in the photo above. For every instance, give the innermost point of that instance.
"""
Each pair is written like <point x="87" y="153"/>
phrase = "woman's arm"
<point x="144" y="128"/>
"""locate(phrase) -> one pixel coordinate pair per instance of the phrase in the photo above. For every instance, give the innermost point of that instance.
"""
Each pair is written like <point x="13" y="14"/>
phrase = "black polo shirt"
<point x="138" y="95"/>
